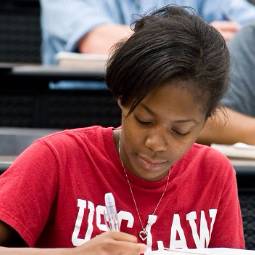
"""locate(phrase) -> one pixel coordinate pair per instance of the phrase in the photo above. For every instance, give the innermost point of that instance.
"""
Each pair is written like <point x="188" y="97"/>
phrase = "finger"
<point x="121" y="236"/>
<point x="131" y="248"/>
<point x="226" y="26"/>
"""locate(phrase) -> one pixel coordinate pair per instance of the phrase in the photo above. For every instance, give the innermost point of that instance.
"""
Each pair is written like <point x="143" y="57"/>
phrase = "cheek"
<point x="177" y="148"/>
<point x="132" y="135"/>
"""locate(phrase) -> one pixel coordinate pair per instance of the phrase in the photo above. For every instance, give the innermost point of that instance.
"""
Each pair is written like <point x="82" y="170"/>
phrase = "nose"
<point x="156" y="142"/>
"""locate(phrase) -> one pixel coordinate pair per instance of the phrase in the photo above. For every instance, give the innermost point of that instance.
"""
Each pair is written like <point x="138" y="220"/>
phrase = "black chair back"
<point x="20" y="31"/>
<point x="246" y="188"/>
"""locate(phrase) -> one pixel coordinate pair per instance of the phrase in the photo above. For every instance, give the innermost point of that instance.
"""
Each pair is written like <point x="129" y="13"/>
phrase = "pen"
<point x="111" y="216"/>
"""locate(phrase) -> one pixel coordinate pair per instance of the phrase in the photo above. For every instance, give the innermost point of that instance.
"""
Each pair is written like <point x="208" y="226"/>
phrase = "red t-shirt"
<point x="53" y="195"/>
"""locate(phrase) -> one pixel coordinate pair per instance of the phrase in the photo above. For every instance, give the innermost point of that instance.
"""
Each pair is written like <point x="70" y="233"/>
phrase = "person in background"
<point x="170" y="192"/>
<point x="89" y="26"/>
<point x="235" y="121"/>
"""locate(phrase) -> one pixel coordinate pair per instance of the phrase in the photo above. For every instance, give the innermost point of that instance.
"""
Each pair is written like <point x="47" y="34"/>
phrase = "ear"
<point x="123" y="109"/>
<point x="119" y="104"/>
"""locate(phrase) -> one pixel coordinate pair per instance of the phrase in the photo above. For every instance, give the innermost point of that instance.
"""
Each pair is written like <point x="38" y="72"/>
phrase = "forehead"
<point x="174" y="99"/>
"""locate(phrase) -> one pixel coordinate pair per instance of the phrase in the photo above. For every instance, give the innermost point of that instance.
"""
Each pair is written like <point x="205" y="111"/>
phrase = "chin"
<point x="153" y="175"/>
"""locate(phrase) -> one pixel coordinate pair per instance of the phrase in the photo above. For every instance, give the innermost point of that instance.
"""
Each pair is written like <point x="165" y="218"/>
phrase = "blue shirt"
<point x="65" y="22"/>
<point x="241" y="94"/>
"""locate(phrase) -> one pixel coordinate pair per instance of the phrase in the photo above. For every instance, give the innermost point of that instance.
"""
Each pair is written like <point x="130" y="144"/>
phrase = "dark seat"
<point x="246" y="188"/>
<point x="20" y="31"/>
<point x="247" y="201"/>
<point x="57" y="109"/>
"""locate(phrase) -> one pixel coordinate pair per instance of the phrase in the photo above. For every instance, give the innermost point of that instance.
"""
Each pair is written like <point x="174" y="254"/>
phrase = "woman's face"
<point x="160" y="130"/>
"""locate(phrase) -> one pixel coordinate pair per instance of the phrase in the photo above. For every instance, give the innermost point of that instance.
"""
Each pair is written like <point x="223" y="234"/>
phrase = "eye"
<point x="179" y="133"/>
<point x="143" y="122"/>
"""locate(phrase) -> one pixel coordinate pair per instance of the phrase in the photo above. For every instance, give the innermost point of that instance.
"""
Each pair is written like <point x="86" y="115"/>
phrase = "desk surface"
<point x="5" y="162"/>
<point x="48" y="73"/>
<point x="243" y="163"/>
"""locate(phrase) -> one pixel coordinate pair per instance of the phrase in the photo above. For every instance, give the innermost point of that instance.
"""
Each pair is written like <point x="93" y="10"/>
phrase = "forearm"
<point x="107" y="243"/>
<point x="102" y="38"/>
<point x="228" y="127"/>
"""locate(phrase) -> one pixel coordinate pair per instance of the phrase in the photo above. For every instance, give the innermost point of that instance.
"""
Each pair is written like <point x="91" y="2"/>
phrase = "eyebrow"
<point x="147" y="109"/>
<point x="177" y="121"/>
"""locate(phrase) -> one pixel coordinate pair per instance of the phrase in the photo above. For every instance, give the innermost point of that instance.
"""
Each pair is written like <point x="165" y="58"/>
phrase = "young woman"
<point x="170" y="192"/>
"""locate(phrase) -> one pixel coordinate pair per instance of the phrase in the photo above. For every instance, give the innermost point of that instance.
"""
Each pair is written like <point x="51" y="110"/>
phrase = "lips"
<point x="150" y="164"/>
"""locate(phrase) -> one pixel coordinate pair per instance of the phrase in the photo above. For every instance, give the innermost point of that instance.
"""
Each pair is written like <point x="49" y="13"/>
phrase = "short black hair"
<point x="170" y="44"/>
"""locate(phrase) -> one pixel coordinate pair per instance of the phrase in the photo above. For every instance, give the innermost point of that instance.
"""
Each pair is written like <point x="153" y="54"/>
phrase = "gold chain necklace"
<point x="143" y="233"/>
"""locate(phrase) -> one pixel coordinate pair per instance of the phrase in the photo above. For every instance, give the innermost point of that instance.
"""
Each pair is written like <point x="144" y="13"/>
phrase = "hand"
<point x="111" y="243"/>
<point x="228" y="29"/>
<point x="101" y="39"/>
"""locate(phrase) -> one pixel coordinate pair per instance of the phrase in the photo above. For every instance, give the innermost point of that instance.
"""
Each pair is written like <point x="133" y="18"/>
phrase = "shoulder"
<point x="71" y="137"/>
<point x="208" y="161"/>
<point x="208" y="155"/>
<point x="61" y="149"/>
<point x="207" y="152"/>
<point x="78" y="142"/>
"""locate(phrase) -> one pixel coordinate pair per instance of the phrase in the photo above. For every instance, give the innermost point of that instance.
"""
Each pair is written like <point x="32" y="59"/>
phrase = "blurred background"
<point x="29" y="109"/>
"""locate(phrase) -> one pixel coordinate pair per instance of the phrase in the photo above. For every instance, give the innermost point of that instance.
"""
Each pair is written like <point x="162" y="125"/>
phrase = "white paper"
<point x="237" y="150"/>
<point x="88" y="62"/>
<point x="206" y="251"/>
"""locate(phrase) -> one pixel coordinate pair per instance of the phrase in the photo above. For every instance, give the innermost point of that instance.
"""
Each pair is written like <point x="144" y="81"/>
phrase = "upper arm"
<point x="28" y="189"/>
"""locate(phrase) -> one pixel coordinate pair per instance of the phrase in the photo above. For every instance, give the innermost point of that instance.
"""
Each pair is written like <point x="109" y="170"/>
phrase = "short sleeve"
<point x="27" y="191"/>
<point x="67" y="21"/>
<point x="228" y="227"/>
